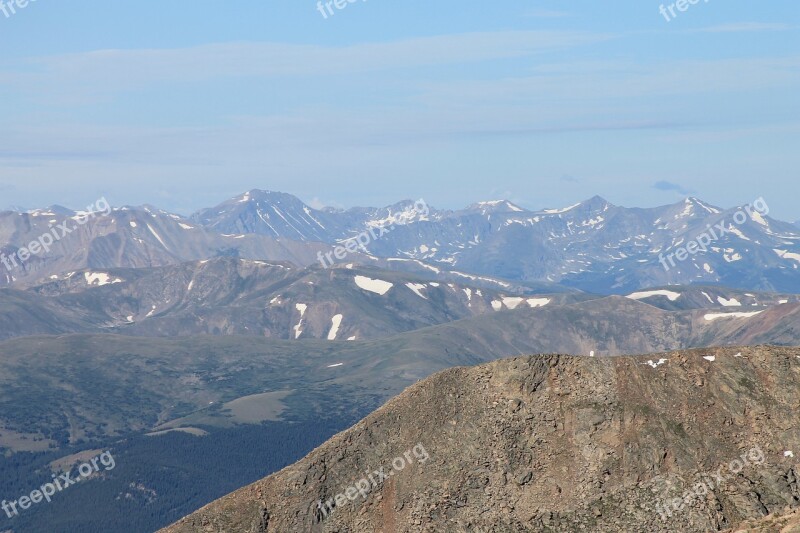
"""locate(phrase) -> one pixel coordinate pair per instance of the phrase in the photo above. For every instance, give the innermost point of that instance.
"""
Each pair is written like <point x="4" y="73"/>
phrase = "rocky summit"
<point x="692" y="441"/>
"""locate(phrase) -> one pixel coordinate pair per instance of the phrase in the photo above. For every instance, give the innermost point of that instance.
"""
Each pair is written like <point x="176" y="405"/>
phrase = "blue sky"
<point x="183" y="104"/>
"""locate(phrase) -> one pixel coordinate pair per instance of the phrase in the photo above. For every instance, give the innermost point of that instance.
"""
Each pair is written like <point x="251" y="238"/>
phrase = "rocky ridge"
<point x="553" y="443"/>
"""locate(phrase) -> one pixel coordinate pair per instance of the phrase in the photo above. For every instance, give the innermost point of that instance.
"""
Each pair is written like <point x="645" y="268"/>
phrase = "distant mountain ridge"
<point x="277" y="300"/>
<point x="231" y="296"/>
<point x="592" y="246"/>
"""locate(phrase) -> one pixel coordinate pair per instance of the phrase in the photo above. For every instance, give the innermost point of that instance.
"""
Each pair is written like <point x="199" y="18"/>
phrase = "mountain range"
<point x="212" y="350"/>
<point x="593" y="246"/>
<point x="278" y="300"/>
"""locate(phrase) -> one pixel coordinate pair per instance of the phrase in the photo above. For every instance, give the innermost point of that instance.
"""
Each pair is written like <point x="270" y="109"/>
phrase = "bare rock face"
<point x="701" y="440"/>
<point x="788" y="522"/>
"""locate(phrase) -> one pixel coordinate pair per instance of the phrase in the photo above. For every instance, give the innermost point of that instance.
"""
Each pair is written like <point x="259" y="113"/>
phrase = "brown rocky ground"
<point x="554" y="443"/>
<point x="777" y="523"/>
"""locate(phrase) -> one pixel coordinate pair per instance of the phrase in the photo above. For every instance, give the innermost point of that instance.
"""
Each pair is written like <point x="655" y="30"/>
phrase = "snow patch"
<point x="757" y="218"/>
<point x="538" y="302"/>
<point x="715" y="316"/>
<point x="157" y="236"/>
<point x="785" y="254"/>
<point x="512" y="301"/>
<point x="298" y="328"/>
<point x="558" y="211"/>
<point x="336" y="321"/>
<point x="647" y="294"/>
<point x="736" y="231"/>
<point x="377" y="286"/>
<point x="99" y="278"/>
<point x="417" y="287"/>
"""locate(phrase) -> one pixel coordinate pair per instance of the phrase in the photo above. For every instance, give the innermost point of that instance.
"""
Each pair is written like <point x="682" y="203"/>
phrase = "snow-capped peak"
<point x="495" y="206"/>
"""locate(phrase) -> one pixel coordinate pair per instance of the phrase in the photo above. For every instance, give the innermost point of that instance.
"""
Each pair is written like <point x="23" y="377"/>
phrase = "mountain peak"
<point x="595" y="203"/>
<point x="51" y="211"/>
<point x="272" y="213"/>
<point x="694" y="206"/>
<point x="495" y="206"/>
<point x="264" y="195"/>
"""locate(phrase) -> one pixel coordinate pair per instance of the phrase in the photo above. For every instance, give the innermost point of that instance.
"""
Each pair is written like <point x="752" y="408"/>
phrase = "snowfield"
<point x="715" y="316"/>
<point x="378" y="286"/>
<point x="648" y="294"/>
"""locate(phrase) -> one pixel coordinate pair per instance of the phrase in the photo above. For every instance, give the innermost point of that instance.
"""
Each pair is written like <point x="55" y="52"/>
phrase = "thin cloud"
<point x="671" y="187"/>
<point x="602" y="126"/>
<point x="744" y="27"/>
<point x="86" y="74"/>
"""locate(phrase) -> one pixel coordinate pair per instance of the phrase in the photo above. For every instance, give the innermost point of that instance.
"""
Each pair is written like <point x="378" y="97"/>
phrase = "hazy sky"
<point x="185" y="103"/>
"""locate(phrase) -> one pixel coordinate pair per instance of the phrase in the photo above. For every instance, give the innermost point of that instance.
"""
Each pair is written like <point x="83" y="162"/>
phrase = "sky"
<point x="186" y="103"/>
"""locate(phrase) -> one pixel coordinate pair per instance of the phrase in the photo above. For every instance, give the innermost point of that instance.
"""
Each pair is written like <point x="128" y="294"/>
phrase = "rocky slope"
<point x="232" y="296"/>
<point x="550" y="443"/>
<point x="127" y="237"/>
<point x="776" y="523"/>
<point x="229" y="296"/>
